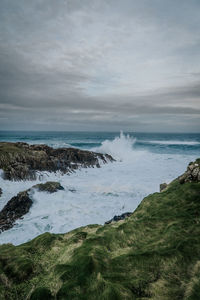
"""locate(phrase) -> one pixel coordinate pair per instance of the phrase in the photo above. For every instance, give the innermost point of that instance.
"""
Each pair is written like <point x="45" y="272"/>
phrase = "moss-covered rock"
<point x="154" y="254"/>
<point x="20" y="161"/>
<point x="49" y="186"/>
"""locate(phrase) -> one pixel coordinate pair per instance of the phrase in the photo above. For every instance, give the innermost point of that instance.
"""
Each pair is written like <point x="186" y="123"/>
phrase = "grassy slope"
<point x="154" y="254"/>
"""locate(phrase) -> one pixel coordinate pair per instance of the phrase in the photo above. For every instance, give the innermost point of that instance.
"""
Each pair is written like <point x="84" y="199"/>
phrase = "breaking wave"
<point x="95" y="195"/>
<point x="121" y="148"/>
<point x="189" y="143"/>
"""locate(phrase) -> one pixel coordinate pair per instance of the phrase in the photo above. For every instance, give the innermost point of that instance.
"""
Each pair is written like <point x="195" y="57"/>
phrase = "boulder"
<point x="16" y="207"/>
<point x="119" y="218"/>
<point x="163" y="186"/>
<point x="49" y="186"/>
<point x="20" y="205"/>
<point x="192" y="173"/>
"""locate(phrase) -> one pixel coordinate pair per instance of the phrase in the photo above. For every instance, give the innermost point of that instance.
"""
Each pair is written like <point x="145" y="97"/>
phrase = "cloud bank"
<point x="100" y="65"/>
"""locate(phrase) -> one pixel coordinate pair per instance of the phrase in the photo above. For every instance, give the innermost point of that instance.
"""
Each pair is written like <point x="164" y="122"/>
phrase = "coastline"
<point x="90" y="195"/>
<point x="136" y="257"/>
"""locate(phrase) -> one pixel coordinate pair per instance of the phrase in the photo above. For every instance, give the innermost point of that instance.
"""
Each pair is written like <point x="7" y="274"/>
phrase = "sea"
<point x="95" y="195"/>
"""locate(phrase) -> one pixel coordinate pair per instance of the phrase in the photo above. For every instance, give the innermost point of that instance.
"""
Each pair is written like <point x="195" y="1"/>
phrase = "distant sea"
<point x="143" y="161"/>
<point x="154" y="142"/>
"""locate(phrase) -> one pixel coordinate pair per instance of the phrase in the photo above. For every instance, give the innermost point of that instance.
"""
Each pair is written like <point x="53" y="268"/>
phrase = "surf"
<point x="98" y="193"/>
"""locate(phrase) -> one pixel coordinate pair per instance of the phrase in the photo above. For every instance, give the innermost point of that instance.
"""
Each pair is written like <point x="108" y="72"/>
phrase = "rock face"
<point x="49" y="186"/>
<point x="14" y="209"/>
<point x="20" y="205"/>
<point x="21" y="161"/>
<point x="119" y="218"/>
<point x="192" y="174"/>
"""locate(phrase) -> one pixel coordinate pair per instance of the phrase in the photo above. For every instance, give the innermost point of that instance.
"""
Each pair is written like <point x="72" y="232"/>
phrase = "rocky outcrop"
<point x="49" y="186"/>
<point x="21" y="161"/>
<point x="119" y="218"/>
<point x="20" y="205"/>
<point x="192" y="174"/>
<point x="14" y="209"/>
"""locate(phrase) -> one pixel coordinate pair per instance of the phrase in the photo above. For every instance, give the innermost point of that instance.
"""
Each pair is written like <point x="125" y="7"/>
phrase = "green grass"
<point x="154" y="254"/>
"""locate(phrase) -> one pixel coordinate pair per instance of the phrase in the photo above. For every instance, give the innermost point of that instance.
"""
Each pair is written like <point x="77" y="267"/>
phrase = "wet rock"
<point x="192" y="174"/>
<point x="49" y="186"/>
<point x="20" y="205"/>
<point x="163" y="186"/>
<point x="14" y="209"/>
<point x="21" y="161"/>
<point x="72" y="190"/>
<point x="118" y="218"/>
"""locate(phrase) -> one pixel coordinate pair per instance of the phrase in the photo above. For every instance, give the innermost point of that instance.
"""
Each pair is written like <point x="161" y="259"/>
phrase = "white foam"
<point x="121" y="148"/>
<point x="171" y="142"/>
<point x="93" y="195"/>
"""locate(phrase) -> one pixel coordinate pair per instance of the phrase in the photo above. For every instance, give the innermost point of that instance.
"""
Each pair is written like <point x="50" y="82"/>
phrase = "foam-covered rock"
<point x="20" y="205"/>
<point x="16" y="207"/>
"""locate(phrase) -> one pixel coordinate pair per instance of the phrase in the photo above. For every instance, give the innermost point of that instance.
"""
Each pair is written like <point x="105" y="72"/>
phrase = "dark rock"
<point x="163" y="186"/>
<point x="20" y="205"/>
<point x="118" y="218"/>
<point x="14" y="209"/>
<point x="72" y="190"/>
<point x="192" y="174"/>
<point x="21" y="161"/>
<point x="49" y="186"/>
<point x="1" y="192"/>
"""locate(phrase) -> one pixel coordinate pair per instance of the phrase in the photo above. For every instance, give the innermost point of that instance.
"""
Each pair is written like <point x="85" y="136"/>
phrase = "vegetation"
<point x="154" y="254"/>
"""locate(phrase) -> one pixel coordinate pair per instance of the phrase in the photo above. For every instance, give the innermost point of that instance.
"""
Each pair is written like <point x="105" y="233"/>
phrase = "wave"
<point x="121" y="148"/>
<point x="98" y="193"/>
<point x="189" y="143"/>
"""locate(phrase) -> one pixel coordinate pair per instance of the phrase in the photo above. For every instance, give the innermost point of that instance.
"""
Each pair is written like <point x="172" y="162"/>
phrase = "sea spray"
<point x="121" y="148"/>
<point x="98" y="193"/>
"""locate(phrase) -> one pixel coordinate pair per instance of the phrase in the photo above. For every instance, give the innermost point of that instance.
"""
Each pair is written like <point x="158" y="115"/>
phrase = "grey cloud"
<point x="99" y="64"/>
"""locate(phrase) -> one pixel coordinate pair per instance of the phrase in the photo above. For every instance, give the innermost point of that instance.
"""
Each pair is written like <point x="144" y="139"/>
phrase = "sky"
<point x="100" y="65"/>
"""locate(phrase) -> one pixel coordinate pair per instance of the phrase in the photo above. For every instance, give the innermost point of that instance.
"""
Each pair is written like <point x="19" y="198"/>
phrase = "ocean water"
<point x="92" y="195"/>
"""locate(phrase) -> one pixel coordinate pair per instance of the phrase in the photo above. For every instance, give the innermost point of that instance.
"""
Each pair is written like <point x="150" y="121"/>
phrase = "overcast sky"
<point x="100" y="65"/>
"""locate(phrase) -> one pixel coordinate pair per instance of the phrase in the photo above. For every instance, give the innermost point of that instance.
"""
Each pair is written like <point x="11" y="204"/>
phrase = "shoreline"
<point x="160" y="237"/>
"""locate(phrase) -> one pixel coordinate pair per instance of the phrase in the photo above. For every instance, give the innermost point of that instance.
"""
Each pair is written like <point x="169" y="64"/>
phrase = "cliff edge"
<point x="153" y="254"/>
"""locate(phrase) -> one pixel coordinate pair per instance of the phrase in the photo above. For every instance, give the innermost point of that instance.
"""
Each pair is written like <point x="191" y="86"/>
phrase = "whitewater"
<point x="95" y="195"/>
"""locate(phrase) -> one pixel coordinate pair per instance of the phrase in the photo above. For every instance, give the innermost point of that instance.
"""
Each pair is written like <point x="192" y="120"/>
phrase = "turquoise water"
<point x="154" y="142"/>
<point x="143" y="161"/>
